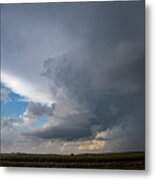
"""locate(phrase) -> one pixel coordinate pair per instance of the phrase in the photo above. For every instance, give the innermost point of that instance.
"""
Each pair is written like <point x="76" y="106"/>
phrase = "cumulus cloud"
<point x="110" y="90"/>
<point x="38" y="109"/>
<point x="35" y="110"/>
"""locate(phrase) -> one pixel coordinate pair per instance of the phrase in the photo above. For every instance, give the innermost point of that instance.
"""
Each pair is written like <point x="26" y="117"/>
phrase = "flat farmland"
<point x="130" y="160"/>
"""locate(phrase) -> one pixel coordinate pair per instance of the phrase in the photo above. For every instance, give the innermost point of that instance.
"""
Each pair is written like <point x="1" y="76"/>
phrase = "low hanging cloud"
<point x="69" y="128"/>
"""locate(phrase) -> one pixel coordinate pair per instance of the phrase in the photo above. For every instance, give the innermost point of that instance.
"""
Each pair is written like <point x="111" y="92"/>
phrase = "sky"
<point x="73" y="77"/>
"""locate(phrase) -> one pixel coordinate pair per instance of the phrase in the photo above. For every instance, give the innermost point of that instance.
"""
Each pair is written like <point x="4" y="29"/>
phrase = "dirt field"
<point x="132" y="160"/>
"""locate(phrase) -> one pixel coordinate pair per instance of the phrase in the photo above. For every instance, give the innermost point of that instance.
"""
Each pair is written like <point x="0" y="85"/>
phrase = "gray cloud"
<point x="4" y="95"/>
<point x="38" y="109"/>
<point x="13" y="140"/>
<point x="68" y="128"/>
<point x="9" y="121"/>
<point x="116" y="97"/>
<point x="95" y="70"/>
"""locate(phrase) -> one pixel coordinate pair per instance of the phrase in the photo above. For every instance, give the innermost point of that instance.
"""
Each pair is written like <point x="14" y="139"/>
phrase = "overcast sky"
<point x="72" y="77"/>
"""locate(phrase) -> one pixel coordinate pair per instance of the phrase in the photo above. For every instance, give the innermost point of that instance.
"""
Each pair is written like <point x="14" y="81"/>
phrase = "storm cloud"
<point x="109" y="95"/>
<point x="87" y="71"/>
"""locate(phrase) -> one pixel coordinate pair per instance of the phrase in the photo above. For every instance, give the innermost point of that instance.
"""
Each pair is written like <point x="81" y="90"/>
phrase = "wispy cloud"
<point x="24" y="88"/>
<point x="5" y="95"/>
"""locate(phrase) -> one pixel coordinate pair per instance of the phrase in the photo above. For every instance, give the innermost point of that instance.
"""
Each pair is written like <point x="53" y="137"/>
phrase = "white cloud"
<point x="25" y="88"/>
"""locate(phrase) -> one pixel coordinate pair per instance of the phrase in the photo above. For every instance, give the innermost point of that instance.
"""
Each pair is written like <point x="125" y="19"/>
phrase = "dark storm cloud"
<point x="106" y="115"/>
<point x="108" y="104"/>
<point x="69" y="128"/>
<point x="105" y="76"/>
<point x="104" y="21"/>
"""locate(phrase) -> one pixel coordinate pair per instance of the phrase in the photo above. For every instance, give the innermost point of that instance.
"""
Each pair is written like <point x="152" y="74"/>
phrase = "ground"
<point x="130" y="160"/>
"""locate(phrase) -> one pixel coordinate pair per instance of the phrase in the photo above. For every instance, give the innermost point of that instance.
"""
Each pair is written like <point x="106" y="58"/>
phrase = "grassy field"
<point x="132" y="160"/>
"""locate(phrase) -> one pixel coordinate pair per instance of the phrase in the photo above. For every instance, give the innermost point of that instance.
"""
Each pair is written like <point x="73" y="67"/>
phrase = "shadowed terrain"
<point x="130" y="160"/>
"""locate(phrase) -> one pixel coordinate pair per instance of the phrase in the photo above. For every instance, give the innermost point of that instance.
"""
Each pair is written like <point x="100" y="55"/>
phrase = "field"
<point x="132" y="160"/>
